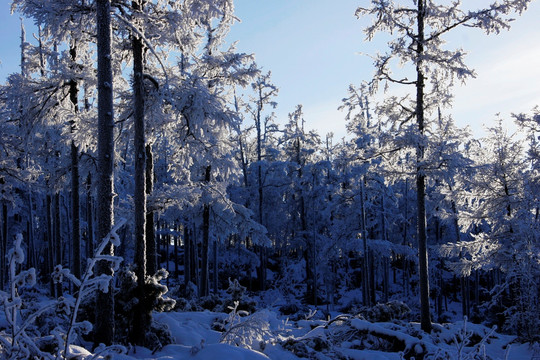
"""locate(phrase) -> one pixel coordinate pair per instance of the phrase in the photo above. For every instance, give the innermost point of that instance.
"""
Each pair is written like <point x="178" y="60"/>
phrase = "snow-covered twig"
<point x="243" y="329"/>
<point x="101" y="282"/>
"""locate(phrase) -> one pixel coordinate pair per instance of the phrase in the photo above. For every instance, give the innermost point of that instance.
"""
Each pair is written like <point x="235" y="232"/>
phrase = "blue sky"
<point x="313" y="48"/>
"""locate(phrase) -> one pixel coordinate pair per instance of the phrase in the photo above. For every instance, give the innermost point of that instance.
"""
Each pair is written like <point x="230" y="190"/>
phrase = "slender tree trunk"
<point x="215" y="266"/>
<point x="385" y="265"/>
<point x="104" y="324"/>
<point x="372" y="280"/>
<point x="195" y="261"/>
<point x="365" y="263"/>
<point x="57" y="239"/>
<point x="89" y="218"/>
<point x="75" y="216"/>
<point x="31" y="262"/>
<point x="405" y="279"/>
<point x="50" y="243"/>
<point x="262" y="252"/>
<point x="142" y="316"/>
<point x="151" y="250"/>
<point x="425" y="317"/>
<point x="187" y="257"/>
<point x="168" y="253"/>
<point x="204" y="288"/>
<point x="244" y="161"/>
<point x="176" y="237"/>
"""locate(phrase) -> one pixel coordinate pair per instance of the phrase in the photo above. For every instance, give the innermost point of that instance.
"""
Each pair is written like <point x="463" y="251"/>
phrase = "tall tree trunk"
<point x="175" y="242"/>
<point x="75" y="216"/>
<point x="104" y="324"/>
<point x="50" y="243"/>
<point x="89" y="218"/>
<point x="425" y="317"/>
<point x="405" y="278"/>
<point x="151" y="246"/>
<point x="31" y="262"/>
<point x="196" y="272"/>
<point x="187" y="257"/>
<point x="142" y="316"/>
<point x="203" y="290"/>
<point x="57" y="239"/>
<point x="215" y="267"/>
<point x="366" y="288"/>
<point x="385" y="265"/>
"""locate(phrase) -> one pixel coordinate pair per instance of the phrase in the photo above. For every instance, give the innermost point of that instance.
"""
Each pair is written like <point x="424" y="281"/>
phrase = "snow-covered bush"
<point x="127" y="304"/>
<point x="17" y="341"/>
<point x="238" y="298"/>
<point x="393" y="310"/>
<point x="242" y="329"/>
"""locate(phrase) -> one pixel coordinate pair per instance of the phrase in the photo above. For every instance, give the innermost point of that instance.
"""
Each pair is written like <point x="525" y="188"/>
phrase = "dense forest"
<point x="152" y="203"/>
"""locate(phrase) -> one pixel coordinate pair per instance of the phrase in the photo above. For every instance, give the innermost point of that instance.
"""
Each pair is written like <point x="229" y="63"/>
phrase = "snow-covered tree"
<point x="418" y="29"/>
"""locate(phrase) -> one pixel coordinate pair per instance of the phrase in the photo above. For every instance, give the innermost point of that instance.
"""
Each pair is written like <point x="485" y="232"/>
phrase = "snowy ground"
<point x="317" y="339"/>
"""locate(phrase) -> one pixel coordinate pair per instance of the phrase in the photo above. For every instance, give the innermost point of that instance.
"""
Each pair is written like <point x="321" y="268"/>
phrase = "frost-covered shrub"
<point x="238" y="299"/>
<point x="211" y="302"/>
<point x="158" y="336"/>
<point x="393" y="310"/>
<point x="127" y="305"/>
<point x="22" y="338"/>
<point x="245" y="330"/>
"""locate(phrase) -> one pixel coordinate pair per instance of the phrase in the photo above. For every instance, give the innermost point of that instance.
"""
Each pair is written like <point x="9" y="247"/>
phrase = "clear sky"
<point x="314" y="50"/>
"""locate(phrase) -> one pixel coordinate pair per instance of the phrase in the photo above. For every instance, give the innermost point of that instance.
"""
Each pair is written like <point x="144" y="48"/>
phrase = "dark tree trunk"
<point x="142" y="316"/>
<point x="57" y="239"/>
<point x="366" y="288"/>
<point x="187" y="257"/>
<point x="104" y="324"/>
<point x="425" y="317"/>
<point x="215" y="267"/>
<point x="262" y="252"/>
<point x="204" y="288"/>
<point x="385" y="265"/>
<point x="176" y="237"/>
<point x="89" y="218"/>
<point x="139" y="155"/>
<point x="75" y="216"/>
<point x="195" y="261"/>
<point x="151" y="247"/>
<point x="31" y="257"/>
<point x="50" y="243"/>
